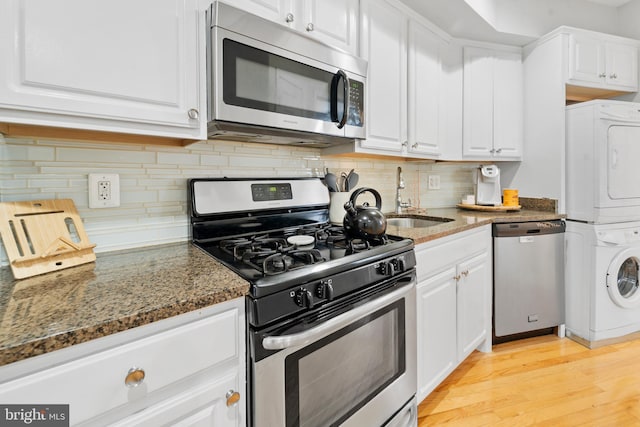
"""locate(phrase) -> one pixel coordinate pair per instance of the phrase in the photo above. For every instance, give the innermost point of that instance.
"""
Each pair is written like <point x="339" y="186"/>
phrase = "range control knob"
<point x="398" y="264"/>
<point x="325" y="289"/>
<point x="386" y="268"/>
<point x="303" y="298"/>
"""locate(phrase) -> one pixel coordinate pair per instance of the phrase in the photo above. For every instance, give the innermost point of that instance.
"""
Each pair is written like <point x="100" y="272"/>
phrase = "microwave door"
<point x="262" y="85"/>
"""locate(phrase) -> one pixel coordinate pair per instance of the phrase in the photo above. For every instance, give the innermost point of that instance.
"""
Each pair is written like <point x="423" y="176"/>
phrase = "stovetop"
<point x="248" y="225"/>
<point x="271" y="263"/>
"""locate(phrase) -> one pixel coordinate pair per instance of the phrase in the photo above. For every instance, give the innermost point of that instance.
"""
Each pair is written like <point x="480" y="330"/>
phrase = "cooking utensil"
<point x="352" y="180"/>
<point x="331" y="181"/>
<point x="364" y="221"/>
<point x="43" y="235"/>
<point x="343" y="181"/>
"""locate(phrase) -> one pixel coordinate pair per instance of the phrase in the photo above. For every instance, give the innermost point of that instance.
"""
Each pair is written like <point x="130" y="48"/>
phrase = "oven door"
<point x="354" y="368"/>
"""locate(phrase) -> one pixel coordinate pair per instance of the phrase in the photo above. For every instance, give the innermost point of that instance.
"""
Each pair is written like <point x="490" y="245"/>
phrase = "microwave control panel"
<point x="356" y="104"/>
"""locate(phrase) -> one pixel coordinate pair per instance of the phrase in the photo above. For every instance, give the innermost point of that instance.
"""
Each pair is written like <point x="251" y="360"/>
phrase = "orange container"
<point x="510" y="197"/>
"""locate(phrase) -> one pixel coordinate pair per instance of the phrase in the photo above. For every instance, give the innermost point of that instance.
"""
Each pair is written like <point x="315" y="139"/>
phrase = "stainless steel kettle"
<point x="364" y="221"/>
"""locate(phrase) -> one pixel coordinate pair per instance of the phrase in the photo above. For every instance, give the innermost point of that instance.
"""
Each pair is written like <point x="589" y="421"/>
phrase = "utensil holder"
<point x="336" y="206"/>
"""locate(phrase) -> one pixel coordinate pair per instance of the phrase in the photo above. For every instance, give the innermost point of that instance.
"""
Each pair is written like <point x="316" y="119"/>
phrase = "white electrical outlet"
<point x="104" y="190"/>
<point x="434" y="182"/>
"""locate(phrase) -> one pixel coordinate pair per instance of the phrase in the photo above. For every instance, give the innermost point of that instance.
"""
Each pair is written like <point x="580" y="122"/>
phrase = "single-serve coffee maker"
<point x="488" y="186"/>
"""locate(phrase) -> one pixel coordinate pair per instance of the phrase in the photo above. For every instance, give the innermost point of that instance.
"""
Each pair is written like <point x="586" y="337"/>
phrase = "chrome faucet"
<point x="400" y="186"/>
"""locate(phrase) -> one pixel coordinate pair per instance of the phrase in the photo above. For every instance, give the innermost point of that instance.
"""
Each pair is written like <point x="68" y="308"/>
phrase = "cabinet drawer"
<point x="433" y="256"/>
<point x="94" y="384"/>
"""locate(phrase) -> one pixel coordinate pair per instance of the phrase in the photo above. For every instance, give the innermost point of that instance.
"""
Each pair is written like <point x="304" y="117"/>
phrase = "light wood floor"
<point x="542" y="381"/>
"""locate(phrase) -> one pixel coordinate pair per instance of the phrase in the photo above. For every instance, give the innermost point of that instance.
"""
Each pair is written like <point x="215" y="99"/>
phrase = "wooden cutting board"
<point x="40" y="236"/>
<point x="484" y="208"/>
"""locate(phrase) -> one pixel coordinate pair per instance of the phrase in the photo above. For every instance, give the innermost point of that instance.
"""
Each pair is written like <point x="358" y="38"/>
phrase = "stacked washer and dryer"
<point x="603" y="222"/>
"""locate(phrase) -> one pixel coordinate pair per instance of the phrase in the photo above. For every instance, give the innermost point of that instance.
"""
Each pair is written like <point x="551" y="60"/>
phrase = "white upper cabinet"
<point x="425" y="91"/>
<point x="273" y="10"/>
<point x="601" y="61"/>
<point x="492" y="104"/>
<point x="405" y="84"/>
<point x="334" y="22"/>
<point x="384" y="46"/>
<point x="117" y="66"/>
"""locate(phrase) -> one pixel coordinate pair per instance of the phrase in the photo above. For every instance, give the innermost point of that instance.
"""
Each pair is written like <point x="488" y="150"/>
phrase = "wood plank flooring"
<point x="542" y="381"/>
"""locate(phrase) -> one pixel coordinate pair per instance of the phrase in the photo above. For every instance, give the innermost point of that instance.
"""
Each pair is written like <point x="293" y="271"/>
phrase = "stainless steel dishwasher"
<point x="528" y="277"/>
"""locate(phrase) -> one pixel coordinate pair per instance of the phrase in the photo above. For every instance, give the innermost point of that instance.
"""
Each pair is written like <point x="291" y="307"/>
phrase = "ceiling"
<point x="519" y="22"/>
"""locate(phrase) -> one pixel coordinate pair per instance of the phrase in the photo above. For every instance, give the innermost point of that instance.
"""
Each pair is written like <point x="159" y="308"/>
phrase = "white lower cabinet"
<point x="193" y="369"/>
<point x="453" y="303"/>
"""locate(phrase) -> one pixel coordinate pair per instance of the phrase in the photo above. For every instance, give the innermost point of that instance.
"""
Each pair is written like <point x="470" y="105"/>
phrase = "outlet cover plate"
<point x="104" y="190"/>
<point x="433" y="182"/>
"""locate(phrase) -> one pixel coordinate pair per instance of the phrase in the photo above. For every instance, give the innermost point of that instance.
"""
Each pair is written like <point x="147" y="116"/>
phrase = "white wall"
<point x="541" y="174"/>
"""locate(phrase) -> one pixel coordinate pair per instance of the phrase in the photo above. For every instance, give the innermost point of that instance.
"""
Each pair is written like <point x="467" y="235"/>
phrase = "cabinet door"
<point x="622" y="66"/>
<point x="113" y="64"/>
<point x="424" y="91"/>
<point x="477" y="133"/>
<point x="586" y="60"/>
<point x="384" y="35"/>
<point x="335" y="22"/>
<point x="474" y="307"/>
<point x="436" y="313"/>
<point x="508" y="103"/>
<point x="203" y="406"/>
<point x="273" y="10"/>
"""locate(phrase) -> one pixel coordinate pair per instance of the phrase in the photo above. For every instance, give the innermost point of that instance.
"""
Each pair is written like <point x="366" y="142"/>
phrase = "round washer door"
<point x="623" y="278"/>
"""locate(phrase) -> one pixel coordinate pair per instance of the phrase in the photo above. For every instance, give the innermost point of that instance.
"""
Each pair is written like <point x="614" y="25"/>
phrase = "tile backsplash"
<point x="153" y="179"/>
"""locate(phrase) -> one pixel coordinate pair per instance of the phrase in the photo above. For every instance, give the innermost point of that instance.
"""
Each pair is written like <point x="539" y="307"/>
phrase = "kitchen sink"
<point x="415" y="222"/>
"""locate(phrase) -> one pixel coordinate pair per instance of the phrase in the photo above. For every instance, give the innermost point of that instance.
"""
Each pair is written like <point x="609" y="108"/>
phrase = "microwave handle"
<point x="340" y="74"/>
<point x="335" y="324"/>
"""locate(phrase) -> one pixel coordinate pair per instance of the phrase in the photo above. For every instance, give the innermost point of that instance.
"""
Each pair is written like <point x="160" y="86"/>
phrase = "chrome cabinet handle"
<point x="465" y="273"/>
<point x="456" y="278"/>
<point x="134" y="377"/>
<point x="332" y="325"/>
<point x="310" y="26"/>
<point x="602" y="75"/>
<point x="233" y="397"/>
<point x="499" y="150"/>
<point x="289" y="17"/>
<point x="193" y="113"/>
<point x="613" y="76"/>
<point x="414" y="145"/>
<point x="493" y="150"/>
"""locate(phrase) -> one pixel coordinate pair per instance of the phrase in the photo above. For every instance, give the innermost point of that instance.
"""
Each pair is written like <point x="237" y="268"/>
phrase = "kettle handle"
<point x="359" y="191"/>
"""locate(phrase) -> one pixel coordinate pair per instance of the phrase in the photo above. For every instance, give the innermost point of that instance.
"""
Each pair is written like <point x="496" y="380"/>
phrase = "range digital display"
<point x="270" y="192"/>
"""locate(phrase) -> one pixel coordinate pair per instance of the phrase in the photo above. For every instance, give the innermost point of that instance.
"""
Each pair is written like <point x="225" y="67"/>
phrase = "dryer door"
<point x="623" y="278"/>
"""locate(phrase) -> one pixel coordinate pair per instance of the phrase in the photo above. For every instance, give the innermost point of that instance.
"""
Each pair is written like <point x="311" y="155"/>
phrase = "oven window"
<point x="332" y="378"/>
<point x="260" y="80"/>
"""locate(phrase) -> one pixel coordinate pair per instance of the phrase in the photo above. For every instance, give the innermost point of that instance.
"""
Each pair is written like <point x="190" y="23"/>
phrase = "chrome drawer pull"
<point x="134" y="377"/>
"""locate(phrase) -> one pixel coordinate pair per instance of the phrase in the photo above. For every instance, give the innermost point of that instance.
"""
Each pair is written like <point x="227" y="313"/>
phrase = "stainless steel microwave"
<point x="268" y="83"/>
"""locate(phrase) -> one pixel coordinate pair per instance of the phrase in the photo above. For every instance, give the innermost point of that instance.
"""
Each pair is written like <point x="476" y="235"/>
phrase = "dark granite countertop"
<point x="119" y="291"/>
<point x="131" y="288"/>
<point x="462" y="220"/>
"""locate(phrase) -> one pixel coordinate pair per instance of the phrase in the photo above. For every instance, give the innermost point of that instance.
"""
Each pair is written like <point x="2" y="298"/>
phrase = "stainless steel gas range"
<point x="331" y="319"/>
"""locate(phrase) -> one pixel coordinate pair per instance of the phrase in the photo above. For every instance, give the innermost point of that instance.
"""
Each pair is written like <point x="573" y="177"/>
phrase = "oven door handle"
<point x="332" y="325"/>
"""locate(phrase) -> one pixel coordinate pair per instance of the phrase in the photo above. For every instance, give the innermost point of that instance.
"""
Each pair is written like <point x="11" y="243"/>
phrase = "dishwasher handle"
<point x="537" y="228"/>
